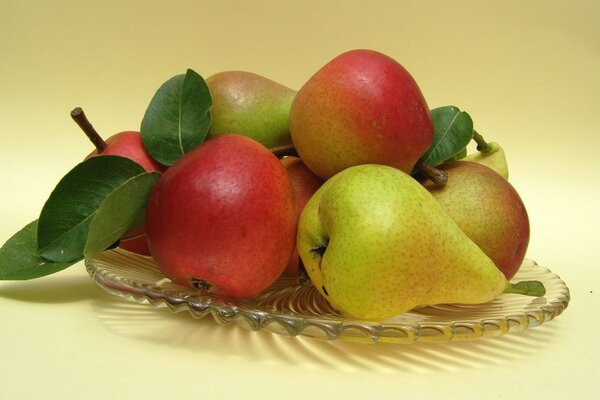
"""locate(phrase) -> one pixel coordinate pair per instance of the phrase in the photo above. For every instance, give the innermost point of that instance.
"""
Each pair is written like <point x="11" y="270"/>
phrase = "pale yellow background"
<point x="528" y="72"/>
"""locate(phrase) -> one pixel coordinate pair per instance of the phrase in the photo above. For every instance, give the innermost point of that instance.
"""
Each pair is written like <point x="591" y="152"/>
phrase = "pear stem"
<point x="283" y="151"/>
<point x="79" y="117"/>
<point x="527" y="288"/>
<point x="482" y="145"/>
<point x="425" y="170"/>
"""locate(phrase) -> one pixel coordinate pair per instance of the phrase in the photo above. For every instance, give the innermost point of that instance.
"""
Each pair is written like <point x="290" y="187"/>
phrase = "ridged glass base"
<point x="292" y="309"/>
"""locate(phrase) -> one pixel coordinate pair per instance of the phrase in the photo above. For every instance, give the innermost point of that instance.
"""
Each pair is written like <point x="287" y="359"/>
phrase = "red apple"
<point x="125" y="144"/>
<point x="360" y="108"/>
<point x="305" y="184"/>
<point x="222" y="218"/>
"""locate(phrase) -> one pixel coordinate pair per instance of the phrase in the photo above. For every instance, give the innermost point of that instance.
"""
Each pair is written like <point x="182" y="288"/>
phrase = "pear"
<point x="305" y="184"/>
<point x="376" y="244"/>
<point x="125" y="144"/>
<point x="362" y="107"/>
<point x="222" y="218"/>
<point x="488" y="209"/>
<point x="250" y="105"/>
<point x="492" y="156"/>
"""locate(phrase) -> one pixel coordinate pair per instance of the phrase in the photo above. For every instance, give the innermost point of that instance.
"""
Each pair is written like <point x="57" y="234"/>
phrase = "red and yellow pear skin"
<point x="129" y="144"/>
<point x="250" y="105"/>
<point x="222" y="218"/>
<point x="362" y="107"/>
<point x="305" y="184"/>
<point x="489" y="210"/>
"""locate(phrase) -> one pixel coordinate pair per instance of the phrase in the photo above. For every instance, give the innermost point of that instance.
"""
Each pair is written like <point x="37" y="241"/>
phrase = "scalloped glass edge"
<point x="290" y="308"/>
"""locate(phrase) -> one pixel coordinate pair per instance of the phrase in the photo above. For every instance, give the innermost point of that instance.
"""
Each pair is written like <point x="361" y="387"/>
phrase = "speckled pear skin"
<point x="250" y="105"/>
<point x="376" y="244"/>
<point x="362" y="107"/>
<point x="489" y="210"/>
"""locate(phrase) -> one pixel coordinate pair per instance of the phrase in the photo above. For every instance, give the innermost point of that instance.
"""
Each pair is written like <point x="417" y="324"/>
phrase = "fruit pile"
<point x="235" y="180"/>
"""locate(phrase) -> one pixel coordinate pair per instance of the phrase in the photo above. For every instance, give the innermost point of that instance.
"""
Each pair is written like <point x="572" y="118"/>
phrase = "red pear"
<point x="362" y="107"/>
<point x="305" y="184"/>
<point x="222" y="218"/>
<point x="488" y="209"/>
<point x="125" y="144"/>
<point x="129" y="144"/>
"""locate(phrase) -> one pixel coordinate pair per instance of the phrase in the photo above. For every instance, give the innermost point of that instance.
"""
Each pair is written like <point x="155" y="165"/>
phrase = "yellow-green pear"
<point x="492" y="157"/>
<point x="250" y="105"/>
<point x="376" y="244"/>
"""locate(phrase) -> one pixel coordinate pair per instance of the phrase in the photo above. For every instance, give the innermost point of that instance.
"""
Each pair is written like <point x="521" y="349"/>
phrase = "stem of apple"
<point x="79" y="117"/>
<point x="425" y="170"/>
<point x="285" y="150"/>
<point x="482" y="145"/>
<point x="527" y="288"/>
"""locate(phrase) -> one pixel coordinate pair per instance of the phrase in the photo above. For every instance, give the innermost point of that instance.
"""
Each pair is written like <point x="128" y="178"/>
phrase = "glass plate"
<point x="290" y="308"/>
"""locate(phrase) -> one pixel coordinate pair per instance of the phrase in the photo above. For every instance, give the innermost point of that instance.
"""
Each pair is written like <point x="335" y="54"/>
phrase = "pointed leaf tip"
<point x="177" y="118"/>
<point x="453" y="132"/>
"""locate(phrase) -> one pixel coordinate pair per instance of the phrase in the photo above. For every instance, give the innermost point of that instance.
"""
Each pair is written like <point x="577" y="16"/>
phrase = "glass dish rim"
<point x="245" y="313"/>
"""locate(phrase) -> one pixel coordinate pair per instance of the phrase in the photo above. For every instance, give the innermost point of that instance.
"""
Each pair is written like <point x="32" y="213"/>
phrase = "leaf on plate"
<point x="19" y="259"/>
<point x="453" y="132"/>
<point x="177" y="118"/>
<point x="65" y="219"/>
<point x="121" y="211"/>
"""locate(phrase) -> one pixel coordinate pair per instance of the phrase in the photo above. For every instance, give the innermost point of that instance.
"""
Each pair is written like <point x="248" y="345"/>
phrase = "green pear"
<point x="376" y="244"/>
<point x="493" y="157"/>
<point x="488" y="209"/>
<point x="250" y="105"/>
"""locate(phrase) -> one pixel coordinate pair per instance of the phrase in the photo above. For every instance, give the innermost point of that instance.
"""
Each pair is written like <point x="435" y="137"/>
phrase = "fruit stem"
<point x="425" y="170"/>
<point x="79" y="117"/>
<point x="285" y="150"/>
<point x="482" y="145"/>
<point x="527" y="288"/>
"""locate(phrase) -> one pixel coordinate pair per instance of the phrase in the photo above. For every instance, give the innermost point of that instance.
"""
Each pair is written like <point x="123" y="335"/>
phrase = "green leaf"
<point x="453" y="132"/>
<point x="177" y="118"/>
<point x="19" y="259"/>
<point x="459" y="156"/>
<point x="122" y="210"/>
<point x="67" y="214"/>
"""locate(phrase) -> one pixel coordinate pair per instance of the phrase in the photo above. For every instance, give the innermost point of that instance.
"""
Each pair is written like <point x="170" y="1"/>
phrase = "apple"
<point x="222" y="218"/>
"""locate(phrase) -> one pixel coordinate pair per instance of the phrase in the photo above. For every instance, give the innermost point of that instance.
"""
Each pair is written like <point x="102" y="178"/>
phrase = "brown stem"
<point x="79" y="117"/>
<point x="482" y="145"/>
<point x="285" y="150"/>
<point x="427" y="171"/>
